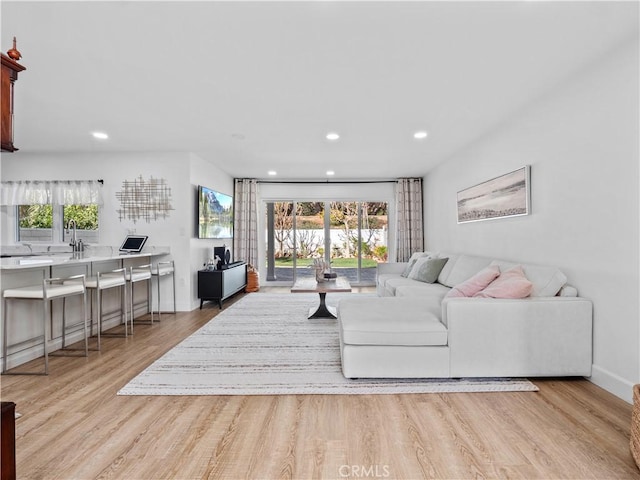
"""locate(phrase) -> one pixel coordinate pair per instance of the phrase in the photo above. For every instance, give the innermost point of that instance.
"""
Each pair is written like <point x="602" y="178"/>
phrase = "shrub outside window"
<point x="86" y="218"/>
<point x="37" y="223"/>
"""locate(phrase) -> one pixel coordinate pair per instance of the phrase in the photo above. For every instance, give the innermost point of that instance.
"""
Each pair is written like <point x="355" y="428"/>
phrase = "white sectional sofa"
<point x="412" y="331"/>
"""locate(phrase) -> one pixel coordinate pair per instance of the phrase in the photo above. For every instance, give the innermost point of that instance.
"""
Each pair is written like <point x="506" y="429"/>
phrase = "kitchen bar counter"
<point x="67" y="258"/>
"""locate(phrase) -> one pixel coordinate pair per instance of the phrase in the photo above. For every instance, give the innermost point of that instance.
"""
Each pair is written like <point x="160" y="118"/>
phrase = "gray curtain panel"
<point x="245" y="227"/>
<point x="410" y="235"/>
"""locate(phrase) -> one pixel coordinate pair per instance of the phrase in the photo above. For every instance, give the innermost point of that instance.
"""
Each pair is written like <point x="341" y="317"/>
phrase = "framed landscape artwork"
<point x="504" y="196"/>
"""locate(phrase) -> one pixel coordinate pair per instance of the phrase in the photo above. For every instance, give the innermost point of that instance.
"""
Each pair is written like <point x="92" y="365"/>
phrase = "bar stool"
<point x="104" y="281"/>
<point x="51" y="289"/>
<point x="140" y="274"/>
<point x="163" y="269"/>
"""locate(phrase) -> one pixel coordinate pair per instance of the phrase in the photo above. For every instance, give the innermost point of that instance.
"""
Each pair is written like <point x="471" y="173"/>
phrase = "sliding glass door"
<point x="352" y="236"/>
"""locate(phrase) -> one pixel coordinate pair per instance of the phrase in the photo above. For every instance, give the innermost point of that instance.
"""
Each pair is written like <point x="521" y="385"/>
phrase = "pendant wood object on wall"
<point x="10" y="69"/>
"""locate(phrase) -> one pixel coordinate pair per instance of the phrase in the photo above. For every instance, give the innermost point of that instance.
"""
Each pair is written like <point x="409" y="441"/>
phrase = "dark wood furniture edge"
<point x="8" y="441"/>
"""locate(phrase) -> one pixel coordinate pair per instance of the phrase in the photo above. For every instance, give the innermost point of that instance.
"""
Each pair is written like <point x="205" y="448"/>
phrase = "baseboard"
<point x="612" y="383"/>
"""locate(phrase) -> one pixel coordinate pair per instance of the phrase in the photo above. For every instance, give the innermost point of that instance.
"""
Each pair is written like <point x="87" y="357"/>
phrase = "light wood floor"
<point x="75" y="427"/>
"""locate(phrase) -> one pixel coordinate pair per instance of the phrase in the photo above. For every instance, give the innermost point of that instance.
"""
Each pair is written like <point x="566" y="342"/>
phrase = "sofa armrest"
<point x="536" y="336"/>
<point x="391" y="268"/>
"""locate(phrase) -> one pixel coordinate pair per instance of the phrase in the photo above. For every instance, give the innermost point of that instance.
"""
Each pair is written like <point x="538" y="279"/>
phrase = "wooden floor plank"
<point x="74" y="426"/>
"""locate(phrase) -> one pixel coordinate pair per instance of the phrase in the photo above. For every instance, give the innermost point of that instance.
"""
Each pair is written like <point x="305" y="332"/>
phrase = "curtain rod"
<point x="100" y="181"/>
<point x="323" y="182"/>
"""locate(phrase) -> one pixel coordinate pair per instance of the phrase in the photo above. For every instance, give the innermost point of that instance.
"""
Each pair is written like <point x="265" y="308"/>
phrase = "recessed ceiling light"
<point x="330" y="172"/>
<point x="332" y="136"/>
<point x="272" y="172"/>
<point x="420" y="135"/>
<point x="100" y="135"/>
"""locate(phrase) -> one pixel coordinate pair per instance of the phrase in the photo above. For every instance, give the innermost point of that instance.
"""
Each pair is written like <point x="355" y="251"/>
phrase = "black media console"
<point x="218" y="285"/>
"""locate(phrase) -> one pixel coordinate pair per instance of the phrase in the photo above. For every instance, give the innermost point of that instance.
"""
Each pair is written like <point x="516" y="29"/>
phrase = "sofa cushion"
<point x="547" y="281"/>
<point x="427" y="269"/>
<point x="476" y="283"/>
<point x="431" y="294"/>
<point x="392" y="284"/>
<point x="510" y="284"/>
<point x="460" y="268"/>
<point x="424" y="290"/>
<point x="389" y="321"/>
<point x="383" y="277"/>
<point x="412" y="261"/>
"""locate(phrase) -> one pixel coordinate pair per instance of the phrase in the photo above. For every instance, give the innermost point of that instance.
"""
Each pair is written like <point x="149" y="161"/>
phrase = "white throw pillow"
<point x="412" y="261"/>
<point x="427" y="269"/>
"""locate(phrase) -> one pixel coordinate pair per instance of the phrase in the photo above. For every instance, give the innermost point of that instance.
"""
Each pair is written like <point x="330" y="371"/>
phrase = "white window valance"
<point x="55" y="192"/>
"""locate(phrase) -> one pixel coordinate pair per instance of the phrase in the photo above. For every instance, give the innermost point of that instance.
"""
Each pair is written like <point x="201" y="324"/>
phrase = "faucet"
<point x="74" y="242"/>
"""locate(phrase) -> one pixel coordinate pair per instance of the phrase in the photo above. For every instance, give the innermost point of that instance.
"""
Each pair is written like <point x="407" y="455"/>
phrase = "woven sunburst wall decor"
<point x="144" y="199"/>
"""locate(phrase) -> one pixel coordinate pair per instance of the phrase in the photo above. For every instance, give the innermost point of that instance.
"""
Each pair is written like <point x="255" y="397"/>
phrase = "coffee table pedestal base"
<point x="323" y="311"/>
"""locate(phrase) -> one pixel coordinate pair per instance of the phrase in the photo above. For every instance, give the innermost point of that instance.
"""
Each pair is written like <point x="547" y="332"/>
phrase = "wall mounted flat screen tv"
<point x="215" y="214"/>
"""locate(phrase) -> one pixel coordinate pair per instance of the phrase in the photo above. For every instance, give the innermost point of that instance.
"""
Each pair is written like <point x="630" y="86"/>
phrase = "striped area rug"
<point x="265" y="345"/>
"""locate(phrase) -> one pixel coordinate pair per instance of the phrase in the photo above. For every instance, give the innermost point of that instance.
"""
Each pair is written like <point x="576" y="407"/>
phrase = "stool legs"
<point x="5" y="344"/>
<point x="173" y="277"/>
<point x="45" y="316"/>
<point x="123" y="316"/>
<point x="47" y="333"/>
<point x="149" y="302"/>
<point x="99" y="307"/>
<point x="159" y="298"/>
<point x="64" y="330"/>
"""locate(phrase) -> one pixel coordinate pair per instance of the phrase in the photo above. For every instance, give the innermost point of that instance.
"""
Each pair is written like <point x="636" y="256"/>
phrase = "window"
<point x="46" y="223"/>
<point x="44" y="208"/>
<point x="35" y="223"/>
<point x="353" y="236"/>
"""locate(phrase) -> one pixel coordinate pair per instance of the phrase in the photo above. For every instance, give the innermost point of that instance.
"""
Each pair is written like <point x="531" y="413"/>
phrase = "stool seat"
<point x="105" y="281"/>
<point x="162" y="270"/>
<point x="138" y="276"/>
<point x="37" y="291"/>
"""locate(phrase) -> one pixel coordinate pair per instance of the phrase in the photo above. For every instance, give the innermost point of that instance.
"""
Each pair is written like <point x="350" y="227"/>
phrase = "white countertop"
<point x="65" y="258"/>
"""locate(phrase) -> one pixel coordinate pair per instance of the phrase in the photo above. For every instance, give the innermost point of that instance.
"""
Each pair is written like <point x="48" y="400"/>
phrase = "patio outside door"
<point x="350" y="235"/>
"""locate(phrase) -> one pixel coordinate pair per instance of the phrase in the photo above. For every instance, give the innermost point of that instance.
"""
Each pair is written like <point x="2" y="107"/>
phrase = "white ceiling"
<point x="255" y="86"/>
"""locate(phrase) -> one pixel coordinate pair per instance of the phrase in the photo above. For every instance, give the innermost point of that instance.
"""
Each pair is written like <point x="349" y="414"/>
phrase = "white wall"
<point x="205" y="174"/>
<point x="180" y="170"/>
<point x="581" y="141"/>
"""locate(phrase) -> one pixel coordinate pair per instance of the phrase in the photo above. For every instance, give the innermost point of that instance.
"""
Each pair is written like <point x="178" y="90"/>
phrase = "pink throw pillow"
<point x="510" y="284"/>
<point x="475" y="284"/>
